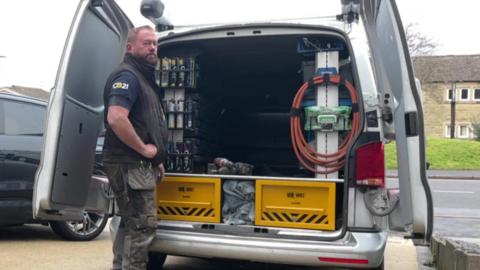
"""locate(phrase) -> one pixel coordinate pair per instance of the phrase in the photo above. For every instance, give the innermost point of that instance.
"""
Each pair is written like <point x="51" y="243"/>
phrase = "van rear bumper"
<point x="359" y="250"/>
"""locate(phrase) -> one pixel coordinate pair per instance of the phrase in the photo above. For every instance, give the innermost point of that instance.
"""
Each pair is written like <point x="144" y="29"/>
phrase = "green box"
<point x="327" y="119"/>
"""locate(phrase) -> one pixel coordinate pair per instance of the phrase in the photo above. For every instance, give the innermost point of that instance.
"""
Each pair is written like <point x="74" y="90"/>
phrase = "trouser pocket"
<point x="141" y="178"/>
<point x="116" y="175"/>
<point x="117" y="178"/>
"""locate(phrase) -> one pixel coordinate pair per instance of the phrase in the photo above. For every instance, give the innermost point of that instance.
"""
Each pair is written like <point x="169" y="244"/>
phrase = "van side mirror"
<point x="152" y="9"/>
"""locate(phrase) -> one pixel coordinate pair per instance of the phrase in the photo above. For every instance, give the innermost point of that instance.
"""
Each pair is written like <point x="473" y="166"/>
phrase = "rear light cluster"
<point x="370" y="165"/>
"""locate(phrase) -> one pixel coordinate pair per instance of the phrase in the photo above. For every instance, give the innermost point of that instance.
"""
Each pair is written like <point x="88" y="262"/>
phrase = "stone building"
<point x="447" y="79"/>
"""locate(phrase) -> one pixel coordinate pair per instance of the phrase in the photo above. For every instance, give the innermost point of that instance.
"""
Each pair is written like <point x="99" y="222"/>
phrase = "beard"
<point x="149" y="59"/>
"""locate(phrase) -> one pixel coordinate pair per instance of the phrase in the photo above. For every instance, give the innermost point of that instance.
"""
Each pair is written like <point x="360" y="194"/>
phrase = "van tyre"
<point x="88" y="229"/>
<point x="156" y="260"/>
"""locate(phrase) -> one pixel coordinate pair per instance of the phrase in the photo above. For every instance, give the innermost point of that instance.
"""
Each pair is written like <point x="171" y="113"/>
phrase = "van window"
<point x="20" y="118"/>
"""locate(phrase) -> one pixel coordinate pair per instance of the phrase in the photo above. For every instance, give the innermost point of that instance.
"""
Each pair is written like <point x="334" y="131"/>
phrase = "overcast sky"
<point x="33" y="32"/>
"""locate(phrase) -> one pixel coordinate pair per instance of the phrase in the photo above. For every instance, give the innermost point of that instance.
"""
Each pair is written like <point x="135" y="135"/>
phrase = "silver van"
<point x="302" y="111"/>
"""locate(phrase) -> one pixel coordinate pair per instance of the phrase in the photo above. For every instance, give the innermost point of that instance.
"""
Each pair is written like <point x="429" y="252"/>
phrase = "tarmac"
<point x="32" y="247"/>
<point x="444" y="174"/>
<point x="445" y="253"/>
<point x="46" y="251"/>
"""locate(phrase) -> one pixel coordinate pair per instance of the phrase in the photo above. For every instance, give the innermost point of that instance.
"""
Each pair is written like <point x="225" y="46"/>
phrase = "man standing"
<point x="134" y="148"/>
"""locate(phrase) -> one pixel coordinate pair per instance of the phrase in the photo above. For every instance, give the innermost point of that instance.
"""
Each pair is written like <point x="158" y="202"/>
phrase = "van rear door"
<point x="95" y="45"/>
<point x="396" y="83"/>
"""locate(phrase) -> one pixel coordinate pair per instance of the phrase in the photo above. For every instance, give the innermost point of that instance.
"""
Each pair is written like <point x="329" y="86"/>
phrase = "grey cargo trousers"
<point x="134" y="187"/>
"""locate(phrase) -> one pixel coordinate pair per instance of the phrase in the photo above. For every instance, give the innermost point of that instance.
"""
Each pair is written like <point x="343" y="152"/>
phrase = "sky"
<point x="32" y="32"/>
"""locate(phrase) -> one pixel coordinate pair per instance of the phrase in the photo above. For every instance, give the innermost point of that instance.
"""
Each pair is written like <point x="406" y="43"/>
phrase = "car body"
<point x="21" y="137"/>
<point x="373" y="54"/>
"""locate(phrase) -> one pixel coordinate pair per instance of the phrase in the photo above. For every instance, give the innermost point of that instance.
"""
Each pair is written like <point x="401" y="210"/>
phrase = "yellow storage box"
<point x="295" y="204"/>
<point x="189" y="199"/>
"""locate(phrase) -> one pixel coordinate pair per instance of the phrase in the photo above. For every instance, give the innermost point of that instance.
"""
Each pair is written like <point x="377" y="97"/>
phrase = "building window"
<point x="463" y="131"/>
<point x="449" y="94"/>
<point x="476" y="94"/>
<point x="464" y="95"/>
<point x="447" y="131"/>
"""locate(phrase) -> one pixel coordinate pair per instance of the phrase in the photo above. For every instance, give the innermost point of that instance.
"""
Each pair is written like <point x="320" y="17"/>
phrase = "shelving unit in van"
<point x="240" y="108"/>
<point x="188" y="116"/>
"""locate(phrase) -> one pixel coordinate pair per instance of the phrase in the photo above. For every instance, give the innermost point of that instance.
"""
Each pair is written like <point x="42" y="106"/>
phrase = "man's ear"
<point x="129" y="47"/>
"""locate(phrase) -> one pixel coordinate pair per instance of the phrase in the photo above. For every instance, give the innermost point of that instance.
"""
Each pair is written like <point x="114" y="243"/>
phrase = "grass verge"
<point x="444" y="154"/>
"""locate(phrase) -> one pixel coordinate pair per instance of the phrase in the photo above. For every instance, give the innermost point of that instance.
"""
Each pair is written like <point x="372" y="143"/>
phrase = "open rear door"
<point x="396" y="83"/>
<point x="94" y="47"/>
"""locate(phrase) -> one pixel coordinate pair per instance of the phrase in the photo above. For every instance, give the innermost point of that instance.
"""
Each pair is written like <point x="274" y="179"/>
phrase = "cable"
<point x="305" y="153"/>
<point x="378" y="203"/>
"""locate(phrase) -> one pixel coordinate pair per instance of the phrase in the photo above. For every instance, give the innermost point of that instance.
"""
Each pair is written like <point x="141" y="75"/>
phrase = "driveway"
<point x="37" y="247"/>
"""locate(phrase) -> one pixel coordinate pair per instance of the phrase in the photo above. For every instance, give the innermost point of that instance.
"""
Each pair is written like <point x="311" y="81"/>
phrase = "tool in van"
<point x="307" y="155"/>
<point x="325" y="118"/>
<point x="173" y="74"/>
<point x="179" y="108"/>
<point x="181" y="73"/>
<point x="225" y="166"/>
<point x="171" y="113"/>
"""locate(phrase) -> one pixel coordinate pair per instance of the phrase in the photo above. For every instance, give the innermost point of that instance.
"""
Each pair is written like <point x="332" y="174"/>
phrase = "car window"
<point x="21" y="118"/>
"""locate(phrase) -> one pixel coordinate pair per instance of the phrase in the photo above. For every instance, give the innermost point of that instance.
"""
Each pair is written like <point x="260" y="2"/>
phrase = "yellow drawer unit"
<point x="295" y="204"/>
<point x="189" y="199"/>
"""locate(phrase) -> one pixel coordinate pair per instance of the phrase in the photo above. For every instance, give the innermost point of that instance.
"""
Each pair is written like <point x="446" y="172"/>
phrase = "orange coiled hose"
<point x="305" y="153"/>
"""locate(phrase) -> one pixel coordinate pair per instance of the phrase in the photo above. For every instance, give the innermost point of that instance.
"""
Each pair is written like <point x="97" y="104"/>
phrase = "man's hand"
<point x="149" y="151"/>
<point x="117" y="118"/>
<point x="161" y="172"/>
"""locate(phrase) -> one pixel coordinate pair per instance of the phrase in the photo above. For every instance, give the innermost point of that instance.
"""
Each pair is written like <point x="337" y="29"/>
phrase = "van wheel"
<point x="87" y="229"/>
<point x="156" y="260"/>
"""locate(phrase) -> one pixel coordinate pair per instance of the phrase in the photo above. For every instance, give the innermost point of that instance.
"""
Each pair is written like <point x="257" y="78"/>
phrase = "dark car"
<point x="21" y="139"/>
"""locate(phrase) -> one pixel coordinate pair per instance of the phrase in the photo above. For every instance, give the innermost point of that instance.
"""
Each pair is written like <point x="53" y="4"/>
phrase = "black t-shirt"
<point x="124" y="90"/>
<point x="132" y="91"/>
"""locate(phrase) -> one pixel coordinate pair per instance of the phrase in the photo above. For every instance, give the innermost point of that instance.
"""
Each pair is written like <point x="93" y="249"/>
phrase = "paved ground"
<point x="446" y="174"/>
<point x="456" y="200"/>
<point x="457" y="207"/>
<point x="407" y="259"/>
<point x="457" y="214"/>
<point x="36" y="247"/>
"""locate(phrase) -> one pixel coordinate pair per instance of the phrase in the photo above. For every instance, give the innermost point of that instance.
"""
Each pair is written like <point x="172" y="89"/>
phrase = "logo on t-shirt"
<point x="120" y="85"/>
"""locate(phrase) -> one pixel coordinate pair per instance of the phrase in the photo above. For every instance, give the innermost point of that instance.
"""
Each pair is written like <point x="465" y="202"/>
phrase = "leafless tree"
<point x="419" y="44"/>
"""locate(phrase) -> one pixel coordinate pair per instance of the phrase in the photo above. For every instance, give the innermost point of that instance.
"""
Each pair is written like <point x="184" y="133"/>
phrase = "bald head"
<point x="133" y="33"/>
<point x="142" y="44"/>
